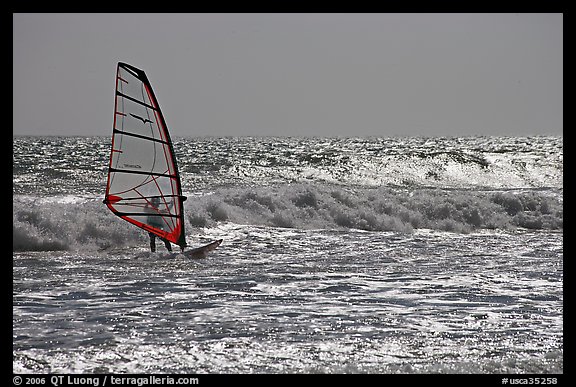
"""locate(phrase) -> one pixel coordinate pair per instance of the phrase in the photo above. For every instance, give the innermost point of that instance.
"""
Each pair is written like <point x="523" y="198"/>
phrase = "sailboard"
<point x="202" y="251"/>
<point x="143" y="185"/>
<point x="197" y="252"/>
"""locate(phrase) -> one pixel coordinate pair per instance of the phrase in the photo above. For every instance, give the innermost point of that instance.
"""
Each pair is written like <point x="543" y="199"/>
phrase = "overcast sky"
<point x="295" y="74"/>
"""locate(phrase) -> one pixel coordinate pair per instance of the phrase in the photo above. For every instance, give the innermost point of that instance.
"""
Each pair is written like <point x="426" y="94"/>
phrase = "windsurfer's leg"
<point x="152" y="242"/>
<point x="167" y="244"/>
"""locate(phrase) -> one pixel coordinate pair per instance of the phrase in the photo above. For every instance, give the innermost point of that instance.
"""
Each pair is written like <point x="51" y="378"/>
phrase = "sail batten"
<point x="142" y="173"/>
<point x="135" y="100"/>
<point x="140" y="136"/>
<point x="143" y="185"/>
<point x="144" y="214"/>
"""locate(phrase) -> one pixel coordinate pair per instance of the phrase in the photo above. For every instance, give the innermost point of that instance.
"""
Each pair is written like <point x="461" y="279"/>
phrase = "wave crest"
<point x="40" y="225"/>
<point x="382" y="209"/>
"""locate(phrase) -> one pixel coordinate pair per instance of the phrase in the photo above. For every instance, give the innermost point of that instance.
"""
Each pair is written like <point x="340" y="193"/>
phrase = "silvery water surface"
<point x="340" y="255"/>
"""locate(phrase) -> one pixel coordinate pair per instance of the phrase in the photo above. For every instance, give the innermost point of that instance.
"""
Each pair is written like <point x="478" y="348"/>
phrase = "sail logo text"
<point x="137" y="166"/>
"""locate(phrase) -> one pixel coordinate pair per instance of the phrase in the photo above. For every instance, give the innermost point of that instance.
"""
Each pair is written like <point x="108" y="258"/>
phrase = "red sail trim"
<point x="170" y="236"/>
<point x="113" y="199"/>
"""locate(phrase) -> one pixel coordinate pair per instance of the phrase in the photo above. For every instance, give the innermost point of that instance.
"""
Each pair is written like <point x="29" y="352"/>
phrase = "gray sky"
<point x="295" y="74"/>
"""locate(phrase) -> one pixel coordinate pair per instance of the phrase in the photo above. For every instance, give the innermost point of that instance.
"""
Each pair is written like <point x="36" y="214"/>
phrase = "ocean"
<point x="340" y="255"/>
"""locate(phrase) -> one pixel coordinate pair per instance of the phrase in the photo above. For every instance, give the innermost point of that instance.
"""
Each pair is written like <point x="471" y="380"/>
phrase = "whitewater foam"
<point x="64" y="222"/>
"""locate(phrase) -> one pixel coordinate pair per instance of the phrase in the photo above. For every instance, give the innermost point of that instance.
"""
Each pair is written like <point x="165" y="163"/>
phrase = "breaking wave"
<point x="64" y="223"/>
<point x="382" y="209"/>
<point x="375" y="184"/>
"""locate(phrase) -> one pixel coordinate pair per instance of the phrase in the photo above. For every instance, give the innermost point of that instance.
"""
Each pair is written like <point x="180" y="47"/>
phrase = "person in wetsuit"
<point x="156" y="221"/>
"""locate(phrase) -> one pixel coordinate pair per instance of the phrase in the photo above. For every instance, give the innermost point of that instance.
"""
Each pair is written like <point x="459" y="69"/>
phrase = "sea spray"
<point x="64" y="224"/>
<point x="381" y="209"/>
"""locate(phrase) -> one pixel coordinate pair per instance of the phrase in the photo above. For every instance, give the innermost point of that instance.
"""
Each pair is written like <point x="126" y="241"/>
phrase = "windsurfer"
<point x="156" y="221"/>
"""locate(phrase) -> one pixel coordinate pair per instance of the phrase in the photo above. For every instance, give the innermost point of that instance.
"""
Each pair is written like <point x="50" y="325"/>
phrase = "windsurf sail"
<point x="143" y="184"/>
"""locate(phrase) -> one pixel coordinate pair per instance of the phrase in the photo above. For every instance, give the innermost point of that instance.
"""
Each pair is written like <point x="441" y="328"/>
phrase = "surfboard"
<point x="143" y="185"/>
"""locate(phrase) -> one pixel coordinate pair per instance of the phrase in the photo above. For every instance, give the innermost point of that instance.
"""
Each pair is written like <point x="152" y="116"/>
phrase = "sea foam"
<point x="62" y="223"/>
